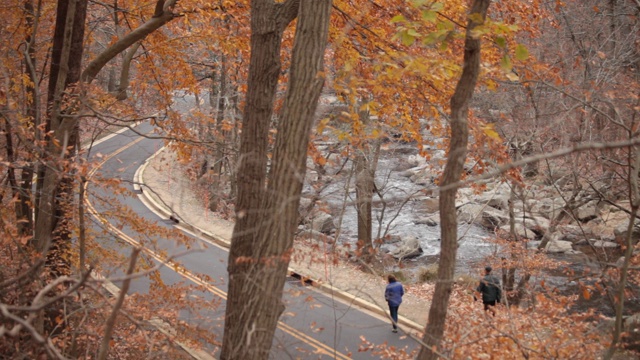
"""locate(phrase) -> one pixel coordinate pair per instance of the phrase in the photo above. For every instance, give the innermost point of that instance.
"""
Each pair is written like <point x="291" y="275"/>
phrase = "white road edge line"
<point x="114" y="290"/>
<point x="161" y="210"/>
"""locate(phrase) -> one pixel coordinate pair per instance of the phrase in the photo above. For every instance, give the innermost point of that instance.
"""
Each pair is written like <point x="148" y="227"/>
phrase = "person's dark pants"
<point x="488" y="303"/>
<point x="393" y="311"/>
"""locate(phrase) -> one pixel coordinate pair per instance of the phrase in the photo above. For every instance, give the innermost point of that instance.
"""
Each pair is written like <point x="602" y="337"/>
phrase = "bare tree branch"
<point x="39" y="302"/>
<point x="104" y="346"/>
<point x="157" y="21"/>
<point x="539" y="157"/>
<point x="25" y="324"/>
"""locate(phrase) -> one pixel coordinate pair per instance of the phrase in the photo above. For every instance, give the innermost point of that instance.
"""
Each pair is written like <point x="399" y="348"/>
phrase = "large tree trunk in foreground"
<point x="256" y="282"/>
<point x="268" y="21"/>
<point x="267" y="26"/>
<point x="452" y="172"/>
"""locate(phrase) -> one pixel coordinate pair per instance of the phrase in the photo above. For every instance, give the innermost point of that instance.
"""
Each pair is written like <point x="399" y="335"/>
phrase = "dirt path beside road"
<point x="171" y="189"/>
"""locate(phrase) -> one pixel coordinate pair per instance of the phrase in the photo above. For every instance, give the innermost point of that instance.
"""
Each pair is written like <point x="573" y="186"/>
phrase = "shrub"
<point x="428" y="273"/>
<point x="467" y="281"/>
<point x="400" y="276"/>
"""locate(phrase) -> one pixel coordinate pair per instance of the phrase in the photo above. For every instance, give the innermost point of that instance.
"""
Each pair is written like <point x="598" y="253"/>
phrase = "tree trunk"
<point x="163" y="14"/>
<point x="221" y="134"/>
<point x="514" y="292"/>
<point x="24" y="209"/>
<point x="256" y="281"/>
<point x="452" y="173"/>
<point x="233" y="137"/>
<point x="123" y="86"/>
<point x="65" y="71"/>
<point x="569" y="207"/>
<point x="112" y="85"/>
<point x="55" y="186"/>
<point x="509" y="273"/>
<point x="364" y="195"/>
<point x="11" y="170"/>
<point x="623" y="271"/>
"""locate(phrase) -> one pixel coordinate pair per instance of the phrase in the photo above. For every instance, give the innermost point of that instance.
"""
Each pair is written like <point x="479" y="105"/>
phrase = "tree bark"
<point x="54" y="188"/>
<point x="221" y="134"/>
<point x="162" y="15"/>
<point x="65" y="70"/>
<point x="452" y="173"/>
<point x="364" y="194"/>
<point x="123" y="86"/>
<point x="257" y="280"/>
<point x="24" y="210"/>
<point x="268" y="21"/>
<point x="623" y="271"/>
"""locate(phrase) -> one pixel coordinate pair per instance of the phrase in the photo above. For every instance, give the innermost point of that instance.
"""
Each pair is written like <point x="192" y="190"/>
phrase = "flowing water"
<point x="403" y="219"/>
<point x="402" y="215"/>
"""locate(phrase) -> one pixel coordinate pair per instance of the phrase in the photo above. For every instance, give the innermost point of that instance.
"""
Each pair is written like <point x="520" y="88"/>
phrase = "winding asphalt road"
<point x="314" y="325"/>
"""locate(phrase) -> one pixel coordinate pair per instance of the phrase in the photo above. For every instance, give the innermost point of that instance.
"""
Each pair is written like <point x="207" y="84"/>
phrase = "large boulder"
<point x="493" y="218"/>
<point x="482" y="215"/>
<point x="304" y="209"/>
<point x="603" y="244"/>
<point x="527" y="206"/>
<point x="500" y="201"/>
<point x="570" y="232"/>
<point x="433" y="220"/>
<point x="409" y="248"/>
<point x="315" y="236"/>
<point x="538" y="224"/>
<point x="620" y="231"/>
<point x="470" y="213"/>
<point x="559" y="246"/>
<point x="587" y="212"/>
<point x="428" y="204"/>
<point x="520" y="230"/>
<point x="497" y="198"/>
<point x="548" y="207"/>
<point x="322" y="222"/>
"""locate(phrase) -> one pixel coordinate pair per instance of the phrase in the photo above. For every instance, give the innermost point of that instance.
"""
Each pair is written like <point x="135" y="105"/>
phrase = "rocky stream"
<point x="406" y="219"/>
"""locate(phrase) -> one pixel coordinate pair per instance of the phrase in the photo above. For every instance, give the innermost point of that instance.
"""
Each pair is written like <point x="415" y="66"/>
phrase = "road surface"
<point x="314" y="325"/>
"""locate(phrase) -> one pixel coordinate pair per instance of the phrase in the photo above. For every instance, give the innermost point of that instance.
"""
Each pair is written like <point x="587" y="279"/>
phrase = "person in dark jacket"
<point x="393" y="294"/>
<point x="490" y="288"/>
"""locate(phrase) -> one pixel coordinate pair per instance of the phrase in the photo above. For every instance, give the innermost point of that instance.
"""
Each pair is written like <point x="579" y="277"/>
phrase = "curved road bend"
<point x="314" y="325"/>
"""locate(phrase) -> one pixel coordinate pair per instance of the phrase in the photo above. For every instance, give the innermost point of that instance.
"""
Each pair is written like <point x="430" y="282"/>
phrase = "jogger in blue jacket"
<point x="393" y="294"/>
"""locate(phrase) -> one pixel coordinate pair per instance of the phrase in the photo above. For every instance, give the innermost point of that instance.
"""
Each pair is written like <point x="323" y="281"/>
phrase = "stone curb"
<point x="149" y="199"/>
